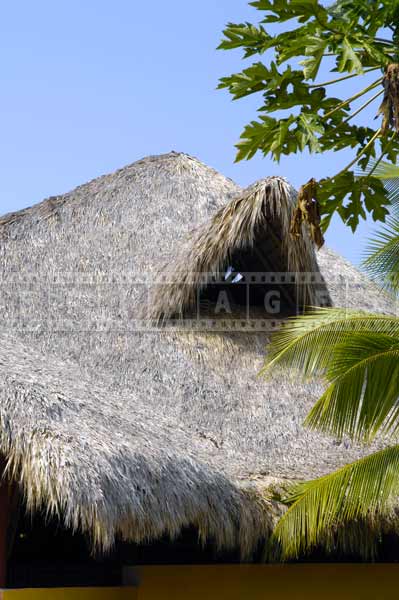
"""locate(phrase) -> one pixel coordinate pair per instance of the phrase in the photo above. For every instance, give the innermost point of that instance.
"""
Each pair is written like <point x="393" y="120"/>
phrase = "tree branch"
<point x="363" y="106"/>
<point x="360" y="154"/>
<point x="316" y="85"/>
<point x="355" y="97"/>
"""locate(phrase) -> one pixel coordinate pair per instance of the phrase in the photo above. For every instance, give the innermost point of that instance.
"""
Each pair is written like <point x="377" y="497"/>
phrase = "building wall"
<point x="240" y="582"/>
<point x="268" y="582"/>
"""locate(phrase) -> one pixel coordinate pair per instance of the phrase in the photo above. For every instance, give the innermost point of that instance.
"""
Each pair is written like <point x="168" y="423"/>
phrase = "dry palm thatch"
<point x="258" y="218"/>
<point x="139" y="478"/>
<point x="129" y="431"/>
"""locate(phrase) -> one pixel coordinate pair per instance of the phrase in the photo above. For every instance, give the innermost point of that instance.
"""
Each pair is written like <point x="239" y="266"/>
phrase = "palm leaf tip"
<point x="330" y="512"/>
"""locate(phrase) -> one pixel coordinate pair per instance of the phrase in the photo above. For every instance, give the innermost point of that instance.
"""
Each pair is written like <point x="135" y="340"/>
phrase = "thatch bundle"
<point x="133" y="431"/>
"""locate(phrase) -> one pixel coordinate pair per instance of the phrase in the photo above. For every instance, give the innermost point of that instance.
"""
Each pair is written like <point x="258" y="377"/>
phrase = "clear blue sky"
<point x="89" y="86"/>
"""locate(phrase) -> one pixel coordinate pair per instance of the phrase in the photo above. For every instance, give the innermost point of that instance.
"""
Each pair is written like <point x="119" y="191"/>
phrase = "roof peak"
<point x="172" y="163"/>
<point x="145" y="160"/>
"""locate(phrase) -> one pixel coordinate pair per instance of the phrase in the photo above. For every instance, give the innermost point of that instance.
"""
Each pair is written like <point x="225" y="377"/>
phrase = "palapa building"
<point x="134" y="429"/>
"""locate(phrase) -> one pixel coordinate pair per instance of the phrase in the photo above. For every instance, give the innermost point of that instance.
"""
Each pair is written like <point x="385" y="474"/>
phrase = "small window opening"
<point x="251" y="286"/>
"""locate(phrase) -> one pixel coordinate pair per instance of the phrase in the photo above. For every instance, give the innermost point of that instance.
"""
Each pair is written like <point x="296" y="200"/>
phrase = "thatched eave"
<point x="130" y="432"/>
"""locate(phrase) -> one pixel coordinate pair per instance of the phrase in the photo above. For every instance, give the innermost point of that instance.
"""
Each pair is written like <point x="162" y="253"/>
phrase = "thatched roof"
<point x="135" y="431"/>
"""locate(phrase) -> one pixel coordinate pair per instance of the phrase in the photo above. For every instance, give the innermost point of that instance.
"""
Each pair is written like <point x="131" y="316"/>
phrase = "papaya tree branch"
<point x="355" y="97"/>
<point x="316" y="85"/>
<point x="360" y="154"/>
<point x="363" y="106"/>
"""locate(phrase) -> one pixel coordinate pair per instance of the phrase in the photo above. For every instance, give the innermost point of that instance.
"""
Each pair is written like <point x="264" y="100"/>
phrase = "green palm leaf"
<point x="325" y="512"/>
<point x="382" y="256"/>
<point x="385" y="171"/>
<point x="305" y="342"/>
<point x="362" y="397"/>
<point x="357" y="354"/>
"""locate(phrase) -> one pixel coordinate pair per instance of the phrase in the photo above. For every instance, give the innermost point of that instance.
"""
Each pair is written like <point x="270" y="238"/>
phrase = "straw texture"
<point x="125" y="430"/>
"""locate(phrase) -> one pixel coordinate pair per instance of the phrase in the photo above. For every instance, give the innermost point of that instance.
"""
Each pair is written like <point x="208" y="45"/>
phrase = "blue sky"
<point x="88" y="87"/>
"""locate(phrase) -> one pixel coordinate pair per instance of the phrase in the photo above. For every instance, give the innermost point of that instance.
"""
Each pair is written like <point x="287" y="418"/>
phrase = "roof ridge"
<point x="47" y="207"/>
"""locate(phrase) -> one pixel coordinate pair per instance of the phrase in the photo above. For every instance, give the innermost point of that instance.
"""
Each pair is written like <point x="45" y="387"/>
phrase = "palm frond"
<point x="382" y="256"/>
<point x="325" y="512"/>
<point x="357" y="354"/>
<point x="385" y="171"/>
<point x="304" y="343"/>
<point x="363" y="391"/>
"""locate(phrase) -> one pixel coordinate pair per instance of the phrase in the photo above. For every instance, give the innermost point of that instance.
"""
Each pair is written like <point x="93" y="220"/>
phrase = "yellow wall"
<point x="71" y="594"/>
<point x="269" y="582"/>
<point x="241" y="582"/>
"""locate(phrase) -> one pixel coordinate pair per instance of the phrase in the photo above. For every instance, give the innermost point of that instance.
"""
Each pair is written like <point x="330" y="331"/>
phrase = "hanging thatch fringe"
<point x="143" y="478"/>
